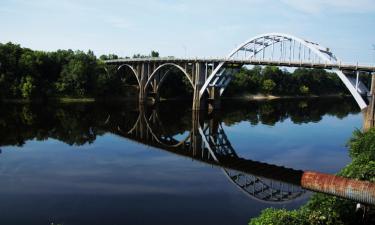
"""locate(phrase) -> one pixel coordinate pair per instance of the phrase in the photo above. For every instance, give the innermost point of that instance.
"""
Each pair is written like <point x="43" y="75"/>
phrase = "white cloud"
<point x="342" y="6"/>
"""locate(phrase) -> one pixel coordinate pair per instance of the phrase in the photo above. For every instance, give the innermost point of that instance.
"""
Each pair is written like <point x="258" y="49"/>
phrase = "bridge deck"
<point x="340" y="66"/>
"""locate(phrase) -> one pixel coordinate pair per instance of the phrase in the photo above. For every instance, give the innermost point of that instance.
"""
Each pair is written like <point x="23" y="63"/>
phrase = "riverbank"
<point x="262" y="97"/>
<point x="271" y="97"/>
<point x="326" y="209"/>
<point x="245" y="97"/>
<point x="68" y="100"/>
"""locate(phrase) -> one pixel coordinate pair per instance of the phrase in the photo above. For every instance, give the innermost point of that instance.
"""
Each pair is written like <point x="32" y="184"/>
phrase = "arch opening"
<point x="128" y="80"/>
<point x="169" y="81"/>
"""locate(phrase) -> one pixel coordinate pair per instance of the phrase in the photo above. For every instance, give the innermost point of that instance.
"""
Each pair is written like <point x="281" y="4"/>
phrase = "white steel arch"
<point x="279" y="47"/>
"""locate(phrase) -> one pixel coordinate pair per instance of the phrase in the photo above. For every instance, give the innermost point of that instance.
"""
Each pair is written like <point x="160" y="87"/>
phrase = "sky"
<point x="192" y="28"/>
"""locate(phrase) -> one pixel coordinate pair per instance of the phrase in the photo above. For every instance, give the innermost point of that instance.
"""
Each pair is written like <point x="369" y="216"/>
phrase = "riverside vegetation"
<point x="29" y="75"/>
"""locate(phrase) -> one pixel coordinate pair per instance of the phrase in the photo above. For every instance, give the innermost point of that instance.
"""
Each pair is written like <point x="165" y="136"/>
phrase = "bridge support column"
<point x="214" y="101"/>
<point x="199" y="77"/>
<point x="143" y="80"/>
<point x="369" y="112"/>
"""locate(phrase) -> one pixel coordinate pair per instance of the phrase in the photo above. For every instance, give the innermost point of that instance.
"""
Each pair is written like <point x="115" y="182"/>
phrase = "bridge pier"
<point x="369" y="112"/>
<point x="145" y="70"/>
<point x="199" y="77"/>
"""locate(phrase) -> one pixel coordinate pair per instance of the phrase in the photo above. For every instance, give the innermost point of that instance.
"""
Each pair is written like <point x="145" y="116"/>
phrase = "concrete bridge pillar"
<point x="198" y="75"/>
<point x="369" y="112"/>
<point x="145" y="70"/>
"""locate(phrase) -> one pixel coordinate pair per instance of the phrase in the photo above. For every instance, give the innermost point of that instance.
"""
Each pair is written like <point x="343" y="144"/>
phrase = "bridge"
<point x="209" y="77"/>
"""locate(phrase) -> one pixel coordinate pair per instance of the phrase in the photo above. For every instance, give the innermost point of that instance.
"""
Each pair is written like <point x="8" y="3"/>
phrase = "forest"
<point x="28" y="74"/>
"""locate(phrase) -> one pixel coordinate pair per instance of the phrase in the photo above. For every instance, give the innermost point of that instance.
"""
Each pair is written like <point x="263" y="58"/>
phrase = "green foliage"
<point x="362" y="144"/>
<point x="79" y="76"/>
<point x="304" y="90"/>
<point x="362" y="151"/>
<point x="27" y="87"/>
<point x="154" y="53"/>
<point x="268" y="85"/>
<point x="303" y="216"/>
<point x="273" y="216"/>
<point x="299" y="82"/>
<point x="108" y="57"/>
<point x="26" y="74"/>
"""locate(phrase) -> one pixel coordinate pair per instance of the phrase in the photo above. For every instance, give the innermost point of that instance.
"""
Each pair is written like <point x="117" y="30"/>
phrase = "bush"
<point x="273" y="216"/>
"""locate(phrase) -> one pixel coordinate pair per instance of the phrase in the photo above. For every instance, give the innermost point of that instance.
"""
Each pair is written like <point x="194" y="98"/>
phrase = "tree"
<point x="304" y="90"/>
<point x="108" y="57"/>
<point x="154" y="53"/>
<point x="27" y="87"/>
<point x="268" y="86"/>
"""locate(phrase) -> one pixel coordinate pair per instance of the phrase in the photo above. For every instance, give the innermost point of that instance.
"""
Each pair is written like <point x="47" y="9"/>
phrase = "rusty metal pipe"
<point x="360" y="191"/>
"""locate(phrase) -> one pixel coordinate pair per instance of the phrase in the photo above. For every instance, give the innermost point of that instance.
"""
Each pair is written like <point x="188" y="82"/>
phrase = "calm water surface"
<point x="124" y="164"/>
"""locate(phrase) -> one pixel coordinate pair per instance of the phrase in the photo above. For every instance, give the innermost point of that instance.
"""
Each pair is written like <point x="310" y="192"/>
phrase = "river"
<point x="119" y="163"/>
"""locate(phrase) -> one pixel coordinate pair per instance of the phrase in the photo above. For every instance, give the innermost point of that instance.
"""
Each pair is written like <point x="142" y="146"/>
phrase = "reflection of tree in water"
<point x="175" y="117"/>
<point x="298" y="110"/>
<point x="78" y="124"/>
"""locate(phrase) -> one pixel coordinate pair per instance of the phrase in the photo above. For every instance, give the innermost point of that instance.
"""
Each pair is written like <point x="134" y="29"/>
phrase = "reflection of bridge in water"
<point x="207" y="142"/>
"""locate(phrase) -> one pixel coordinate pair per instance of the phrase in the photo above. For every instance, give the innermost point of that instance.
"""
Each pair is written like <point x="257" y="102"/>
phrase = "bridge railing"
<point x="282" y="63"/>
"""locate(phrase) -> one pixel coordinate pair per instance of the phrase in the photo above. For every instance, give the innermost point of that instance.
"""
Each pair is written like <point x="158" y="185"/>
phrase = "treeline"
<point x="28" y="74"/>
<point x="35" y="74"/>
<point x="272" y="80"/>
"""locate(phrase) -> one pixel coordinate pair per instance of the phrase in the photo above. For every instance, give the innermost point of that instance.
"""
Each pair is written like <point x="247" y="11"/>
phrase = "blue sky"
<point x="194" y="28"/>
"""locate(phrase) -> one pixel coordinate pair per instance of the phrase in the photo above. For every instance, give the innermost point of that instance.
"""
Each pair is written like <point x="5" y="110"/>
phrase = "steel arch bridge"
<point x="209" y="77"/>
